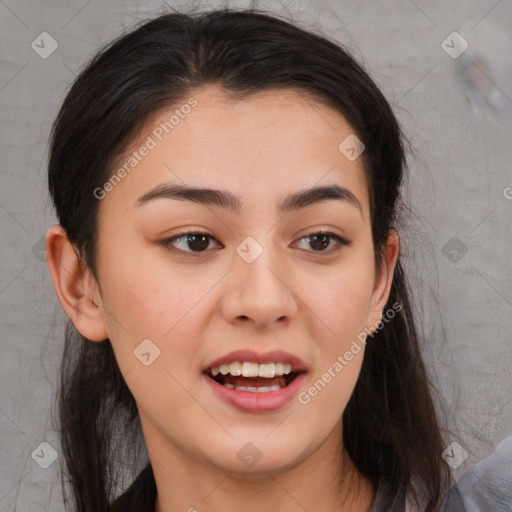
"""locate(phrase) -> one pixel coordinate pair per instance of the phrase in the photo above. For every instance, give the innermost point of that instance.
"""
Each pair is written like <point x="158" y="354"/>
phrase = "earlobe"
<point x="73" y="285"/>
<point x="383" y="280"/>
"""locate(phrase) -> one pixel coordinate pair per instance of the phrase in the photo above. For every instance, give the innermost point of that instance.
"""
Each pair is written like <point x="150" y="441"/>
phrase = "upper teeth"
<point x="247" y="369"/>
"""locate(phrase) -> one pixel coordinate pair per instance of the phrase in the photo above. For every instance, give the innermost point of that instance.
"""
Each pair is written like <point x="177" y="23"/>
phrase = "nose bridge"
<point x="259" y="264"/>
<point x="262" y="288"/>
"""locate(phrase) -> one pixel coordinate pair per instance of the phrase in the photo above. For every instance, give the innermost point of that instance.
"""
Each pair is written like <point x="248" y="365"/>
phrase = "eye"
<point x="321" y="240"/>
<point x="198" y="241"/>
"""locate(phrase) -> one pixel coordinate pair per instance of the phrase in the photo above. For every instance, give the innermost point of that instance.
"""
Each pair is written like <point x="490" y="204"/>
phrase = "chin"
<point x="255" y="455"/>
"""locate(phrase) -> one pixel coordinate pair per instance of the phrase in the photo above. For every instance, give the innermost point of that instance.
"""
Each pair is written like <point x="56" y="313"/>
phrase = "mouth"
<point x="250" y="372"/>
<point x="253" y="377"/>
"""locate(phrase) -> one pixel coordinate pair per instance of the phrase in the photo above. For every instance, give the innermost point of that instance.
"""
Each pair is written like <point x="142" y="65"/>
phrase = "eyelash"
<point x="168" y="242"/>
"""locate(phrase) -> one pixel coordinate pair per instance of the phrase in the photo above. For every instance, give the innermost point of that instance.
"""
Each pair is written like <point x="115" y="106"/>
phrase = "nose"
<point x="260" y="292"/>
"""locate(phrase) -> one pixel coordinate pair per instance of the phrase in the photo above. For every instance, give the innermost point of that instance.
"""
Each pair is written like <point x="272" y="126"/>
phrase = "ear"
<point x="74" y="284"/>
<point x="383" y="280"/>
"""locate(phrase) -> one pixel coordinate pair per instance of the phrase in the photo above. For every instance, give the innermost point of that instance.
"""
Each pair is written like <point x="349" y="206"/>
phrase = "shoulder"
<point x="488" y="484"/>
<point x="485" y="486"/>
<point x="389" y="498"/>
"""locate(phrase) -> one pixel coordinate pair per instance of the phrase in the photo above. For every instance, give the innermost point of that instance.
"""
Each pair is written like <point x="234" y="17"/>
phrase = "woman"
<point x="227" y="187"/>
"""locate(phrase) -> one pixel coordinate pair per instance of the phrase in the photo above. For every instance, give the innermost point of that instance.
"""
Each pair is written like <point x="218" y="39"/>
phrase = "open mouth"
<point x="254" y="384"/>
<point x="242" y="375"/>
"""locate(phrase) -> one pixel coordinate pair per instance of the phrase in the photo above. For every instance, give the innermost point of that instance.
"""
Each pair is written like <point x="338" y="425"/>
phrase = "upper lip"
<point x="275" y="356"/>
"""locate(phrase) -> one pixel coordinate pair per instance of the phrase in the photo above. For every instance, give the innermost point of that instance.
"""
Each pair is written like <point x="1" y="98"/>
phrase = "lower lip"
<point x="248" y="401"/>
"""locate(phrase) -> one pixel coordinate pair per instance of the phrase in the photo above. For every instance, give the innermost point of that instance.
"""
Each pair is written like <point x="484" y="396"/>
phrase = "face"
<point x="259" y="278"/>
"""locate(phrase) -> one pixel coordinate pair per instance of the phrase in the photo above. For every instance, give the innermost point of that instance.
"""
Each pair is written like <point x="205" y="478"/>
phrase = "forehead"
<point x="269" y="143"/>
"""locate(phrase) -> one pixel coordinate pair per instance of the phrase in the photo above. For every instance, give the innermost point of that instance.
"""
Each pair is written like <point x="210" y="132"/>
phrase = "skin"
<point x="196" y="308"/>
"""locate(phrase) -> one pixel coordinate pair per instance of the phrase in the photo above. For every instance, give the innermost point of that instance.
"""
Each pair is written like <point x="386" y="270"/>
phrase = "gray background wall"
<point x="458" y="238"/>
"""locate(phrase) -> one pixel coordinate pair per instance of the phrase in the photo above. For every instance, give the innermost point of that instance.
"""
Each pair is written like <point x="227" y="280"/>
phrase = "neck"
<point x="326" y="480"/>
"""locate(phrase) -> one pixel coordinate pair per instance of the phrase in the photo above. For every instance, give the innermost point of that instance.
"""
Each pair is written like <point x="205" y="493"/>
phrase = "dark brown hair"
<point x="390" y="426"/>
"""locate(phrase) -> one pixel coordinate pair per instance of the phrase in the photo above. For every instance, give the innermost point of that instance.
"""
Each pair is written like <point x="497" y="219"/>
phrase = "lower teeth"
<point x="252" y="389"/>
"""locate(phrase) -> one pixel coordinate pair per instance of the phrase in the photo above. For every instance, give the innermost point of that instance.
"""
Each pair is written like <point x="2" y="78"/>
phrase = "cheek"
<point x="148" y="295"/>
<point x="340" y="299"/>
<point x="340" y="342"/>
<point x="145" y="300"/>
<point x="153" y="313"/>
<point x="340" y="302"/>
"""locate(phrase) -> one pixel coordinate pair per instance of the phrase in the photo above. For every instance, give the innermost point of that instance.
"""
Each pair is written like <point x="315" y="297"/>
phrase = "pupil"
<point x="322" y="245"/>
<point x="201" y="246"/>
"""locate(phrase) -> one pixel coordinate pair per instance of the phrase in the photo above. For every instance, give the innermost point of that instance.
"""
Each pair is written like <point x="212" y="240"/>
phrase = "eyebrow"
<point x="228" y="201"/>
